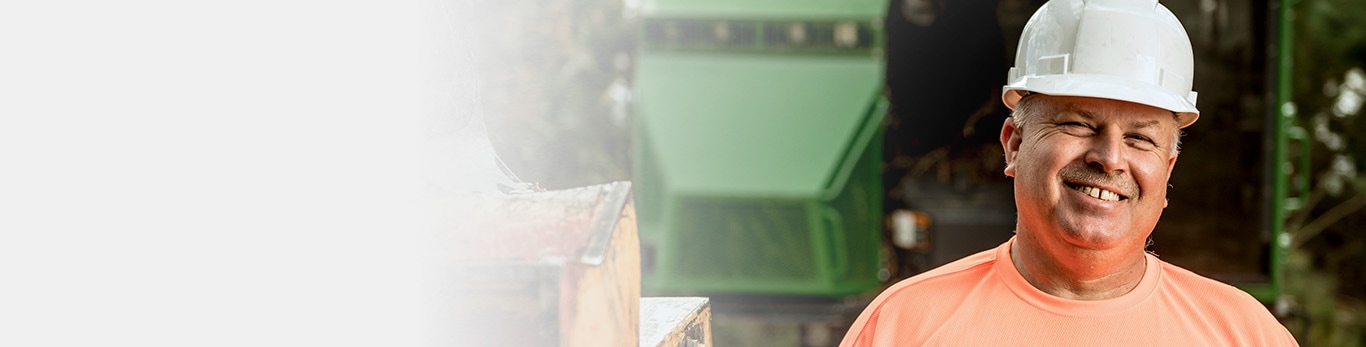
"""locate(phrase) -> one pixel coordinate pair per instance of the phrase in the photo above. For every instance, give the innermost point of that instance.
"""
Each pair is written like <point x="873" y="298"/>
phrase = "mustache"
<point x="1089" y="175"/>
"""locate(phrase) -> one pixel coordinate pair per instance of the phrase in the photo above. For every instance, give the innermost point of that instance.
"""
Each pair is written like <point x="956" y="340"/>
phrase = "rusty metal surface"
<point x="609" y="212"/>
<point x="549" y="268"/>
<point x="674" y="321"/>
<point x="570" y="225"/>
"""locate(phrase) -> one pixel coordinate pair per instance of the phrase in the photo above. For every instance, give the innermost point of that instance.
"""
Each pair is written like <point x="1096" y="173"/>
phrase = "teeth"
<point x="1099" y="193"/>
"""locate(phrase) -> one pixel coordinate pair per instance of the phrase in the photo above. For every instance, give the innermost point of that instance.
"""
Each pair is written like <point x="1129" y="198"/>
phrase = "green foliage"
<point x="1326" y="274"/>
<point x="1318" y="318"/>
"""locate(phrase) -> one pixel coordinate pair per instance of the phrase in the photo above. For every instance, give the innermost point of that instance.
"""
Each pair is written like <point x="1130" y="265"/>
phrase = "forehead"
<point x="1107" y="110"/>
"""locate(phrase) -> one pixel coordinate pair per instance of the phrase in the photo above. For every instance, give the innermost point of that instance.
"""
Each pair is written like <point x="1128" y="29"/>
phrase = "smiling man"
<point x="1100" y="91"/>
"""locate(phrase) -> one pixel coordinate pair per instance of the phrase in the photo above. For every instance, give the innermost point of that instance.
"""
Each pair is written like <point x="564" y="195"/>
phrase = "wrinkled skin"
<point x="1075" y="142"/>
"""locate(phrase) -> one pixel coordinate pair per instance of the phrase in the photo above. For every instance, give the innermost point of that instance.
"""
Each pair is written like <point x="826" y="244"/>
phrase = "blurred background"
<point x="789" y="159"/>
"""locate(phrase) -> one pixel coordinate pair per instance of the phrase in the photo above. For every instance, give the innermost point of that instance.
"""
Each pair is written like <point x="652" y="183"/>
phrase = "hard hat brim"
<point x="1105" y="87"/>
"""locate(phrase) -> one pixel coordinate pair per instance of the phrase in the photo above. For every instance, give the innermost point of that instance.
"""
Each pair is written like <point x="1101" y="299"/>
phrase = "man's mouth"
<point x="1097" y="193"/>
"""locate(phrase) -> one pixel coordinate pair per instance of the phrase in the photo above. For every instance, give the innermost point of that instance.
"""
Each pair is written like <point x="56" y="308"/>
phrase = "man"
<point x="1100" y="91"/>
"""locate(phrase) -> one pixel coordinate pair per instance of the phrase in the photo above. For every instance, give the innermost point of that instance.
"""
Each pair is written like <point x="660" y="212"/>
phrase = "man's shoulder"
<point x="1214" y="300"/>
<point x="1176" y="278"/>
<point x="1221" y="307"/>
<point x="918" y="305"/>
<point x="940" y="284"/>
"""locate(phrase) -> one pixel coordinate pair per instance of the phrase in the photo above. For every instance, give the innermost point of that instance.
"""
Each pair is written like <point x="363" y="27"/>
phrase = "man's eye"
<point x="1075" y="128"/>
<point x="1144" y="140"/>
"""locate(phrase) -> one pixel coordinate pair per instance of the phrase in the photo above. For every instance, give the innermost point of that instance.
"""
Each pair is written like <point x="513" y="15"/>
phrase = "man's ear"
<point x="1010" y="142"/>
<point x="1171" y="164"/>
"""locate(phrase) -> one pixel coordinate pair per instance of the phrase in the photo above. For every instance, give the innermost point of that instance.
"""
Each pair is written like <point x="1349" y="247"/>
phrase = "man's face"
<point x="1090" y="172"/>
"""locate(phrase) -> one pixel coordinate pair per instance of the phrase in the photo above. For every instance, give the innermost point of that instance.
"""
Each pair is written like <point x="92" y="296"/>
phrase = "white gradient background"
<point x="182" y="173"/>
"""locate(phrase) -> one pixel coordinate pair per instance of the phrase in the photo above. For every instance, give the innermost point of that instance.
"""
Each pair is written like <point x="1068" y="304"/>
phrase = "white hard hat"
<point x="1130" y="50"/>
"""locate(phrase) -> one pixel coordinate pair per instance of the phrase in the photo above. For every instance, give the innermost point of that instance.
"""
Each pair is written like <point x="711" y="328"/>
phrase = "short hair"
<point x="1027" y="107"/>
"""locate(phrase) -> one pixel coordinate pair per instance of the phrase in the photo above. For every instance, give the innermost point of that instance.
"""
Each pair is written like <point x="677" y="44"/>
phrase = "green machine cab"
<point x="758" y="146"/>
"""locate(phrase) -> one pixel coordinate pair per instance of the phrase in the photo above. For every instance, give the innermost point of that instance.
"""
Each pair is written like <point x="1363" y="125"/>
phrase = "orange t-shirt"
<point x="981" y="300"/>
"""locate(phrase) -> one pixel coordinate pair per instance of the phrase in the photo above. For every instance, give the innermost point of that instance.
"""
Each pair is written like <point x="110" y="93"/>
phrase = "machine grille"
<point x="744" y="240"/>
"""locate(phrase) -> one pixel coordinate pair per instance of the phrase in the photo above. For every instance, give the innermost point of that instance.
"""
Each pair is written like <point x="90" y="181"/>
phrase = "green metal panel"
<point x="826" y="243"/>
<point x="757" y="9"/>
<point x="759" y="173"/>
<point x="767" y="235"/>
<point x="752" y="125"/>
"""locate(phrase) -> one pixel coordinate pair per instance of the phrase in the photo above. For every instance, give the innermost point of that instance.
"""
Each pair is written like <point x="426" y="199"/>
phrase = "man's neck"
<point x="1076" y="273"/>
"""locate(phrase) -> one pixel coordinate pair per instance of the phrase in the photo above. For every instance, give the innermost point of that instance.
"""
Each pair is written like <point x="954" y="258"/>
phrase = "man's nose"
<point x="1106" y="152"/>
